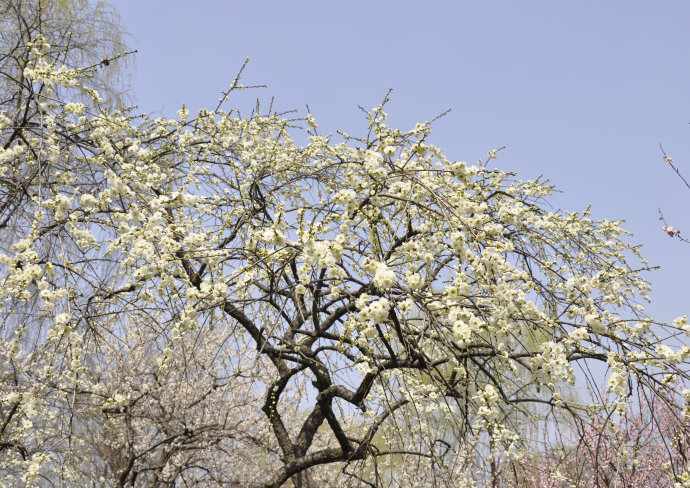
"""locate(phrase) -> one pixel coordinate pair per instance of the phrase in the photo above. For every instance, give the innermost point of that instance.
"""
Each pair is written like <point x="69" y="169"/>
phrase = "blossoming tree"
<point x="203" y="302"/>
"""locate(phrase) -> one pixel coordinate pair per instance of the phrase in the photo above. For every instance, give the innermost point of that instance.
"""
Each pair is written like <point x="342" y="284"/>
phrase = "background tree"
<point x="75" y="34"/>
<point x="644" y="447"/>
<point x="80" y="33"/>
<point x="316" y="306"/>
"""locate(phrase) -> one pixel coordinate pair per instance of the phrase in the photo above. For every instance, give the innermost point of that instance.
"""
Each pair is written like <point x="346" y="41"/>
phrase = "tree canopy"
<point x="202" y="301"/>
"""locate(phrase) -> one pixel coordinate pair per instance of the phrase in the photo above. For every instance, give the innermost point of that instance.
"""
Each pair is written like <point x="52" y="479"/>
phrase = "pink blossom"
<point x="670" y="230"/>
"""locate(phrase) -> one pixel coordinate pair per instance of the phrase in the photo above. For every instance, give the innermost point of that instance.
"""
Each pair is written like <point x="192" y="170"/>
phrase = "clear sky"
<point x="581" y="92"/>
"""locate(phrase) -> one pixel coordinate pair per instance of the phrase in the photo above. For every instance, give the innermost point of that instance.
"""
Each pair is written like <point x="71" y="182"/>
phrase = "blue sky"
<point x="581" y="92"/>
